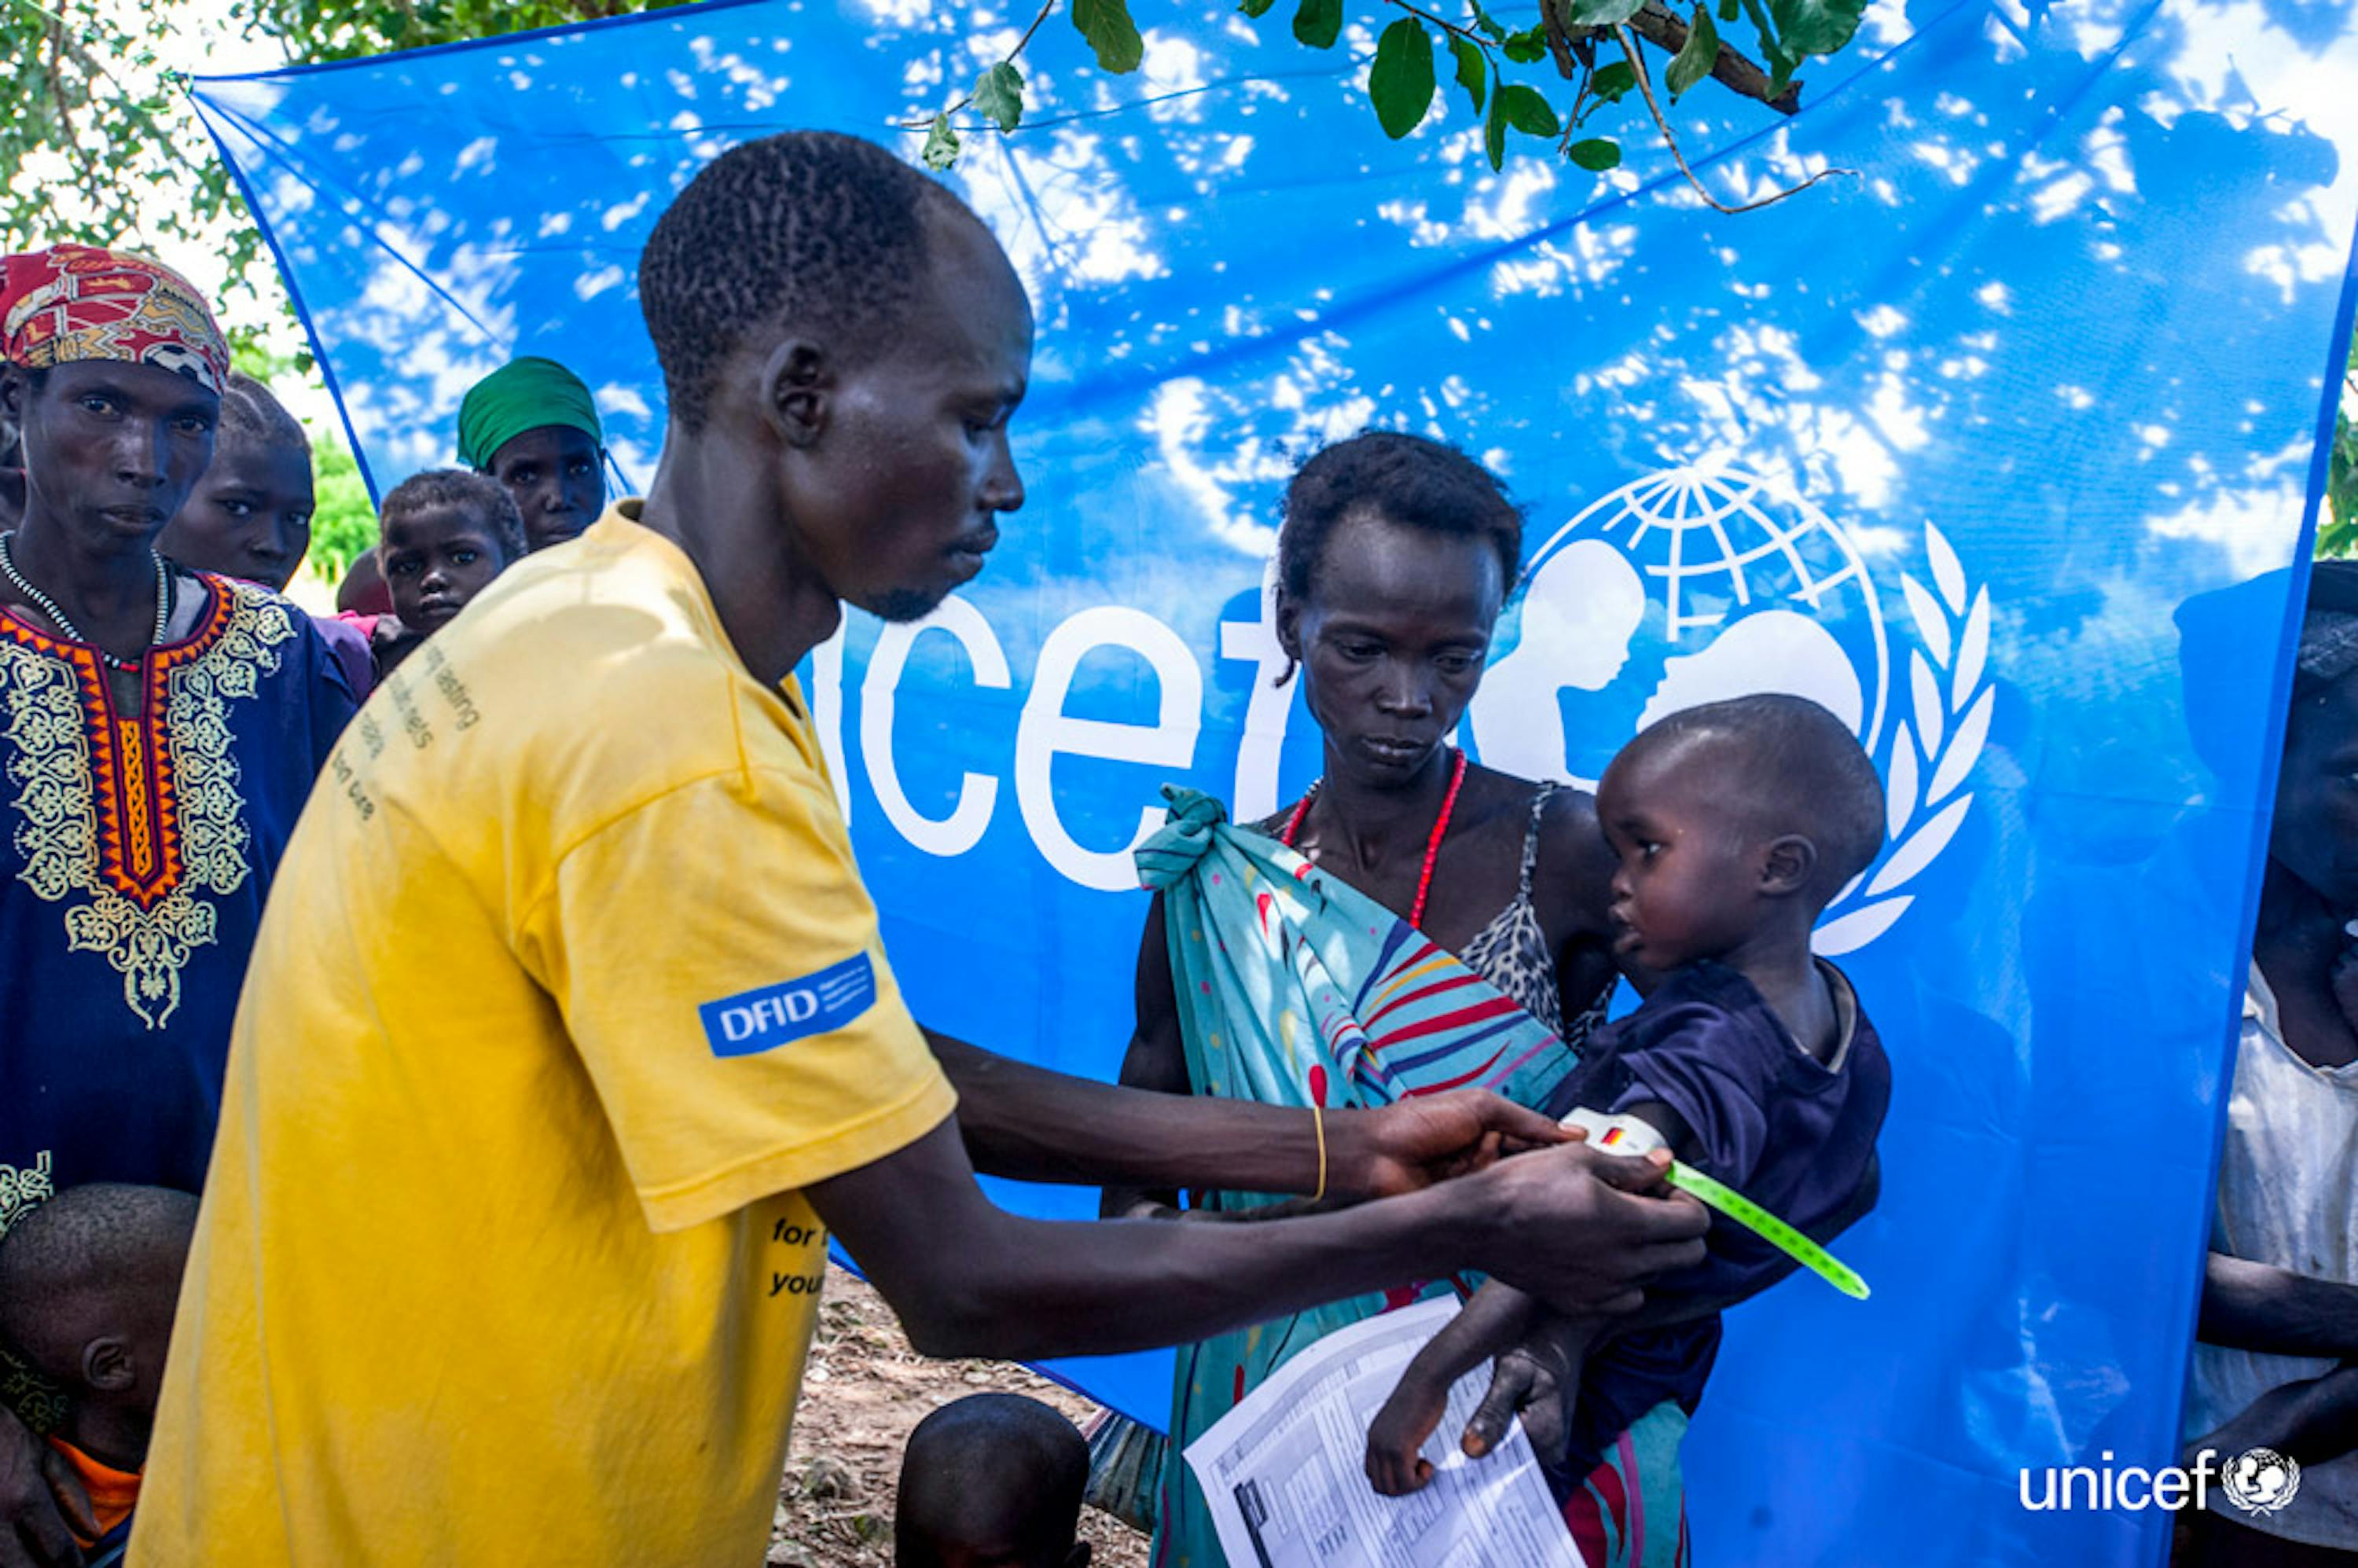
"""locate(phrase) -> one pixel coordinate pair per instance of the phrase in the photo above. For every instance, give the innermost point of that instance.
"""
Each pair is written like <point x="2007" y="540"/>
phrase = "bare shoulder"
<point x="1574" y="881"/>
<point x="1569" y="830"/>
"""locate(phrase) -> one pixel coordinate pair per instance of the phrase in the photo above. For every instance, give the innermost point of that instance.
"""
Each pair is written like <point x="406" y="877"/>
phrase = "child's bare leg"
<point x="1490" y="1323"/>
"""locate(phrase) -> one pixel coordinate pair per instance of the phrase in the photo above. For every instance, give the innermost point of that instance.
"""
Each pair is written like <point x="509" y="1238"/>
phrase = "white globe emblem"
<point x="2260" y="1481"/>
<point x="1708" y="583"/>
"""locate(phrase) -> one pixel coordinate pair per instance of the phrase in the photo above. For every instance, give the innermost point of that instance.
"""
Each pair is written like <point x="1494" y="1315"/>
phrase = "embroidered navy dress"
<point x="135" y="852"/>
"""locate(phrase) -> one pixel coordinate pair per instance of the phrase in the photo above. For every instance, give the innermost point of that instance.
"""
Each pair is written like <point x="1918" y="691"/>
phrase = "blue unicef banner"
<point x="1947" y="444"/>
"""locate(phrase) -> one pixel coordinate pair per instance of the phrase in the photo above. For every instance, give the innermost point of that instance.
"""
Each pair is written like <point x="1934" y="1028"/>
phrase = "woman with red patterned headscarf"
<point x="159" y="729"/>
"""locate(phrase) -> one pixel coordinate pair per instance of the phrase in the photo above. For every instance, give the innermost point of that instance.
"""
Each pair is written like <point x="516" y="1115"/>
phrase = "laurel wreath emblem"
<point x="1932" y="751"/>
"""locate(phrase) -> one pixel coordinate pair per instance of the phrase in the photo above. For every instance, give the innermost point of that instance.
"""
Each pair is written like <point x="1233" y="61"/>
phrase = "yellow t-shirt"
<point x="567" y="984"/>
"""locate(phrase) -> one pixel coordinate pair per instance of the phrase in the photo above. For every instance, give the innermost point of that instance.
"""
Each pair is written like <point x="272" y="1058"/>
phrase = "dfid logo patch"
<point x="757" y="1021"/>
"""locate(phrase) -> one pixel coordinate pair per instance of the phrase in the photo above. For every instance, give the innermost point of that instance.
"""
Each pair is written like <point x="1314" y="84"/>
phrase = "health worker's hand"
<point x="1582" y="1230"/>
<point x="38" y="1494"/>
<point x="1414" y="1143"/>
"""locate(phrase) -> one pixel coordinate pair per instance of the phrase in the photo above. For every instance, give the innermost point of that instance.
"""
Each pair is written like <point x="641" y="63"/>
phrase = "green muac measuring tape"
<point x="1627" y="1135"/>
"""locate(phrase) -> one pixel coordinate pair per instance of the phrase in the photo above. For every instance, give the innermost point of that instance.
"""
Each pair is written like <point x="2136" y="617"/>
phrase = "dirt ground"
<point x="864" y="1390"/>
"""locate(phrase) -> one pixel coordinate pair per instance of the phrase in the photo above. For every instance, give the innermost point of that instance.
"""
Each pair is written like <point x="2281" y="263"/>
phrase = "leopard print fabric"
<point x="1513" y="954"/>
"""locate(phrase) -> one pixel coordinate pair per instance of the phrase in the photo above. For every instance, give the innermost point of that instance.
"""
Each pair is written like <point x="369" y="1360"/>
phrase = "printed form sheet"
<point x="1283" y="1472"/>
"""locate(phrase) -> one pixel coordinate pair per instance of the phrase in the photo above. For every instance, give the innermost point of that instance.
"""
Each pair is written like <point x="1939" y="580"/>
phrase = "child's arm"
<point x="1492" y="1322"/>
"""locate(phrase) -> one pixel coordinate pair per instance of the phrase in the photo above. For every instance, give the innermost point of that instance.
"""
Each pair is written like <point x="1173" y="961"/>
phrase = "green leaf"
<point x="1473" y="70"/>
<point x="1494" y="131"/>
<point x="1526" y="47"/>
<point x="1482" y="21"/>
<point x="1730" y="10"/>
<point x="1780" y="72"/>
<point x="1526" y="110"/>
<point x="1696" y="57"/>
<point x="999" y="94"/>
<point x="1106" y="25"/>
<point x="1400" y="81"/>
<point x="1597" y="155"/>
<point x="1319" y="23"/>
<point x="1814" y="26"/>
<point x="1255" y="7"/>
<point x="1613" y="82"/>
<point x="1604" y="13"/>
<point x="941" y="143"/>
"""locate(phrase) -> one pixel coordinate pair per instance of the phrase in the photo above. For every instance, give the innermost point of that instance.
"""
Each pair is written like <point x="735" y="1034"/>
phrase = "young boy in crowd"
<point x="250" y="516"/>
<point x="1735" y="825"/>
<point x="991" y="1481"/>
<point x="88" y="1280"/>
<point x="532" y="426"/>
<point x="443" y="536"/>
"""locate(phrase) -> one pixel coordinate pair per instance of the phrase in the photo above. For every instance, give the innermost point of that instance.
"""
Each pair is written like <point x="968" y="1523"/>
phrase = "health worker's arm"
<point x="1149" y="1137"/>
<point x="969" y="1279"/>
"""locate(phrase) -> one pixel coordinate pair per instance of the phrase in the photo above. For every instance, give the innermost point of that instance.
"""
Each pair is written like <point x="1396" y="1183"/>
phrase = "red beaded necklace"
<point x="1431" y="845"/>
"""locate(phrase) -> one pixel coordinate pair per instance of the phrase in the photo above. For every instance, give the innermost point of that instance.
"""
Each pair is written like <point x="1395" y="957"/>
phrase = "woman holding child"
<point x="1416" y="923"/>
<point x="1437" y="875"/>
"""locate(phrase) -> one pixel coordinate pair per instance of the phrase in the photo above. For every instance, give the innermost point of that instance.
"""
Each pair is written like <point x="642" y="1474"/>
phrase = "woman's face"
<point x="1391" y="637"/>
<point x="2315" y="835"/>
<point x="553" y="471"/>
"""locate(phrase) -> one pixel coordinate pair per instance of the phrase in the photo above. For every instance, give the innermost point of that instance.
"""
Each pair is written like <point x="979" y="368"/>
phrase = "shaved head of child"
<point x="88" y="1281"/>
<point x="1734" y="818"/>
<point x="992" y="1481"/>
<point x="250" y="515"/>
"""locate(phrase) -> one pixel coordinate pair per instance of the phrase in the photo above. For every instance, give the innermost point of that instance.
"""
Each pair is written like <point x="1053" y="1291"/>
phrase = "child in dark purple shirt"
<point x="1735" y="825"/>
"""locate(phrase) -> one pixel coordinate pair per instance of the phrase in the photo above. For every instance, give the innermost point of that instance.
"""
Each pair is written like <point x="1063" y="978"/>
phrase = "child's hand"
<point x="1395" y="1466"/>
<point x="1536" y="1378"/>
<point x="1524" y="1382"/>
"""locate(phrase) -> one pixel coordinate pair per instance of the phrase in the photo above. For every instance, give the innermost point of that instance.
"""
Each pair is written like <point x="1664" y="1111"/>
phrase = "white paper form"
<point x="1284" y="1473"/>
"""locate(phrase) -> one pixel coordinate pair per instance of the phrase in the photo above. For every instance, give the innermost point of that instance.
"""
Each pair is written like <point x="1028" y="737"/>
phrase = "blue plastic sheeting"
<point x="1946" y="444"/>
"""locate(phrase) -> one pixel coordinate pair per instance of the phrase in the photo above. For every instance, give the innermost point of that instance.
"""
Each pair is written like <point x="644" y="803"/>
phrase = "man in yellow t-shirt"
<point x="570" y="1036"/>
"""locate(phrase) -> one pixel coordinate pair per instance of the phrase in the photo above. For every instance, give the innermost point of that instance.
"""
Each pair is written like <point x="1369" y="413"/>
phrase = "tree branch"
<point x="1471" y="37"/>
<point x="1664" y="28"/>
<point x="1645" y="85"/>
<point x="1008" y="59"/>
<point x="1733" y="69"/>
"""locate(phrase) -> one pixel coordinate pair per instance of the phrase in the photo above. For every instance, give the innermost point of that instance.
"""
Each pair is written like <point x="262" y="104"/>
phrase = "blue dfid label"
<point x="757" y="1021"/>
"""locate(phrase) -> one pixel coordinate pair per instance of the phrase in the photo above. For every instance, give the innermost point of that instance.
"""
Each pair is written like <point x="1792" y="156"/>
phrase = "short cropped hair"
<point x="808" y="228"/>
<point x="249" y="411"/>
<point x="480" y="493"/>
<point x="1404" y="478"/>
<point x="996" y="1465"/>
<point x="126" y="1244"/>
<point x="1804" y="772"/>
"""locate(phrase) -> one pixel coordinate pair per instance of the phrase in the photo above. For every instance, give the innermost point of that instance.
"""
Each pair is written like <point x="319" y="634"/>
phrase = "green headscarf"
<point x="524" y="394"/>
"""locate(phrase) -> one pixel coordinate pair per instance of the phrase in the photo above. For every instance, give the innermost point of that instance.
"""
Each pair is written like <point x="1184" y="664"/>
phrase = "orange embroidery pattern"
<point x="102" y="795"/>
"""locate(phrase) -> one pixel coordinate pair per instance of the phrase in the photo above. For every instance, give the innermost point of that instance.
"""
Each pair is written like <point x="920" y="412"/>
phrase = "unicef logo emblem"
<point x="1708" y="582"/>
<point x="2260" y="1481"/>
